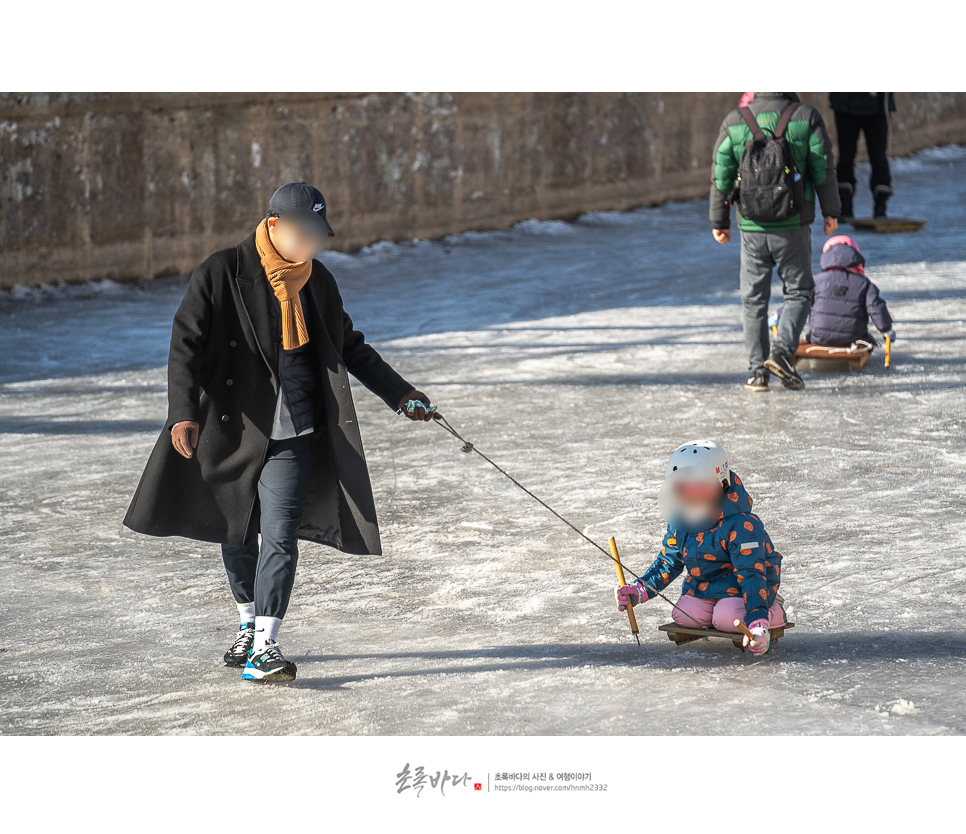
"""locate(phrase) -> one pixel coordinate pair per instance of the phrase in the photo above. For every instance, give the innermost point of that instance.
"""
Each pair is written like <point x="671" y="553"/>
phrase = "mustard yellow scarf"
<point x="287" y="279"/>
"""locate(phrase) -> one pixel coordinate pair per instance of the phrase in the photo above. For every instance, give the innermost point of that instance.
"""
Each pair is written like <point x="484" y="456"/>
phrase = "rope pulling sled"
<point x="469" y="448"/>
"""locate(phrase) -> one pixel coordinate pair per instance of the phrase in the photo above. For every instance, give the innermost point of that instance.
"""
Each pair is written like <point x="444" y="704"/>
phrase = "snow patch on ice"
<point x="609" y="218"/>
<point x="379" y="249"/>
<point x="928" y="157"/>
<point x="549" y="228"/>
<point x="900" y="707"/>
<point x="47" y="292"/>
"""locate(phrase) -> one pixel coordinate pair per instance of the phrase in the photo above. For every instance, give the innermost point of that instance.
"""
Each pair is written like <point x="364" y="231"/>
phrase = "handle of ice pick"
<point x="744" y="629"/>
<point x="888" y="351"/>
<point x="620" y="576"/>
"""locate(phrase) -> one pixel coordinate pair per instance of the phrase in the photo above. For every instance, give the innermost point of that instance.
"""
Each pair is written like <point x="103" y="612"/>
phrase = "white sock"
<point x="246" y="612"/>
<point x="266" y="628"/>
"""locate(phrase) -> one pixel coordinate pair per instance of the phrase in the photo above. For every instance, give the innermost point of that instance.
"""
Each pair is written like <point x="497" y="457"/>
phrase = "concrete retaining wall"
<point x="135" y="185"/>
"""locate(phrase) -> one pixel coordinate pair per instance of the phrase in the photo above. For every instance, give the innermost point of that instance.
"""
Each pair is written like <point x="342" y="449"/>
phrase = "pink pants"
<point x="720" y="614"/>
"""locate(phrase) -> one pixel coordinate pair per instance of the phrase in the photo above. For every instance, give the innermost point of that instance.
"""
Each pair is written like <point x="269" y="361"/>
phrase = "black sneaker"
<point x="782" y="367"/>
<point x="758" y="381"/>
<point x="237" y="654"/>
<point x="268" y="666"/>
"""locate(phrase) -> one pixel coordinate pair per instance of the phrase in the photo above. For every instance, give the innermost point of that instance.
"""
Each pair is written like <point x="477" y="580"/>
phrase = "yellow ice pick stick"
<point x="888" y="351"/>
<point x="620" y="576"/>
<point x="744" y="629"/>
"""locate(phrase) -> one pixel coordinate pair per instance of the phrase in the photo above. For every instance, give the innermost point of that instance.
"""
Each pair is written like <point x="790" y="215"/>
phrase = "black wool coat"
<point x="222" y="373"/>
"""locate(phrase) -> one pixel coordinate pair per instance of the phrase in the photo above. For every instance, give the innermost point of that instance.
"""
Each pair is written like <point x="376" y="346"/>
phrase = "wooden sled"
<point x="682" y="634"/>
<point x="887" y="224"/>
<point x="854" y="356"/>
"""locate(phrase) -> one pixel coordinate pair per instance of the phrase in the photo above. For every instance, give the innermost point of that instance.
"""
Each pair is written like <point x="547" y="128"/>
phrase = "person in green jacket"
<point x="785" y="244"/>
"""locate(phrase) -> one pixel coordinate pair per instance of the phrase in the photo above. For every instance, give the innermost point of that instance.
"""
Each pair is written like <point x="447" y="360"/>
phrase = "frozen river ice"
<point x="578" y="356"/>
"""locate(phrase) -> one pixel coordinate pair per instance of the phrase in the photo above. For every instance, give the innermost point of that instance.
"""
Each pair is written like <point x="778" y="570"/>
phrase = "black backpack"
<point x="769" y="186"/>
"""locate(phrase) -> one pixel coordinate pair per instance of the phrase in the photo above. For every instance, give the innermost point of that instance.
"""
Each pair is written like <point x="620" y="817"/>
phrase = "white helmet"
<point x="699" y="460"/>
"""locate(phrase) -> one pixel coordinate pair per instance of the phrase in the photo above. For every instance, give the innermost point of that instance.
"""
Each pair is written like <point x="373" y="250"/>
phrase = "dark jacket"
<point x="862" y="104"/>
<point x="734" y="558"/>
<point x="811" y="149"/>
<point x="222" y="372"/>
<point x="844" y="301"/>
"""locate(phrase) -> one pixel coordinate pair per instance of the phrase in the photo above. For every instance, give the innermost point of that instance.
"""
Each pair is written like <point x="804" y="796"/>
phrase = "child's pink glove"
<point x="762" y="640"/>
<point x="629" y="595"/>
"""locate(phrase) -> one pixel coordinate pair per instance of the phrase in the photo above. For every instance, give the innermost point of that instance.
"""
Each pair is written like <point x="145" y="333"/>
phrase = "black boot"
<point x="882" y="193"/>
<point x="846" y="189"/>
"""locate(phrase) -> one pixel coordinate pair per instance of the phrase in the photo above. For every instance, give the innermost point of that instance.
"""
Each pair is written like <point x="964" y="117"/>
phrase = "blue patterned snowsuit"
<point x="733" y="558"/>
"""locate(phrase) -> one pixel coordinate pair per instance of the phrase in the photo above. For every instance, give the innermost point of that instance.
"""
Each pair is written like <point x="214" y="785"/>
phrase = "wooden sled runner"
<point x="887" y="224"/>
<point x="854" y="356"/>
<point x="682" y="634"/>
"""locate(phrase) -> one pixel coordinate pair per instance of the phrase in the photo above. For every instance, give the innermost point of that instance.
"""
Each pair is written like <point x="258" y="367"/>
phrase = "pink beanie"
<point x="835" y="241"/>
<point x="845" y="240"/>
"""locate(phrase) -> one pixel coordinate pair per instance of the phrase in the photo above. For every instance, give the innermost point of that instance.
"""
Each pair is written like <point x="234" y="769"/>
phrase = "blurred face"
<point x="293" y="241"/>
<point x="690" y="506"/>
<point x="698" y="498"/>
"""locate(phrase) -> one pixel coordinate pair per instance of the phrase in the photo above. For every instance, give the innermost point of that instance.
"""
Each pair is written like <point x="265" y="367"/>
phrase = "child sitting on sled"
<point x="845" y="299"/>
<point x="732" y="570"/>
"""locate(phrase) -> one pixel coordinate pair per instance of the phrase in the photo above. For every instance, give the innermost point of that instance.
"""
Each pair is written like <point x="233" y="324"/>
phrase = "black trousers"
<point x="265" y="573"/>
<point x="876" y="130"/>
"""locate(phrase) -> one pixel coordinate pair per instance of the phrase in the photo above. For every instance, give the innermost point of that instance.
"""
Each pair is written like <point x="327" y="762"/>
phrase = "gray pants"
<point x="791" y="253"/>
<point x="264" y="574"/>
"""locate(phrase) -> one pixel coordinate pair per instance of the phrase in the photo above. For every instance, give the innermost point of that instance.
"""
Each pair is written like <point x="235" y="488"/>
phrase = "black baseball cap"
<point x="304" y="203"/>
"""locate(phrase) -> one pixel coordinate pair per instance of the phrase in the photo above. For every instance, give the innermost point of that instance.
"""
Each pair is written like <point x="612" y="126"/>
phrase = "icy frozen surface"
<point x="578" y="356"/>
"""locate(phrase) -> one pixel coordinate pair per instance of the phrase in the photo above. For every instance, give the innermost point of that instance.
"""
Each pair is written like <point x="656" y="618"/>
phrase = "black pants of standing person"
<point x="264" y="572"/>
<point x="876" y="130"/>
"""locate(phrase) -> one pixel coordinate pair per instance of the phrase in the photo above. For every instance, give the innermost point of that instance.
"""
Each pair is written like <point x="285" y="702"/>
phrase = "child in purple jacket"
<point x="845" y="299"/>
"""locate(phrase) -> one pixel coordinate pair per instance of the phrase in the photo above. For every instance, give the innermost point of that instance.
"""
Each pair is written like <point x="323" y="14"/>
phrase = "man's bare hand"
<point x="184" y="437"/>
<point x="723" y="236"/>
<point x="831" y="224"/>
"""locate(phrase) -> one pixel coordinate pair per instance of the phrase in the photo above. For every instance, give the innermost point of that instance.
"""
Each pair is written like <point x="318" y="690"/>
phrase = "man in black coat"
<point x="262" y="435"/>
<point x="871" y="114"/>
